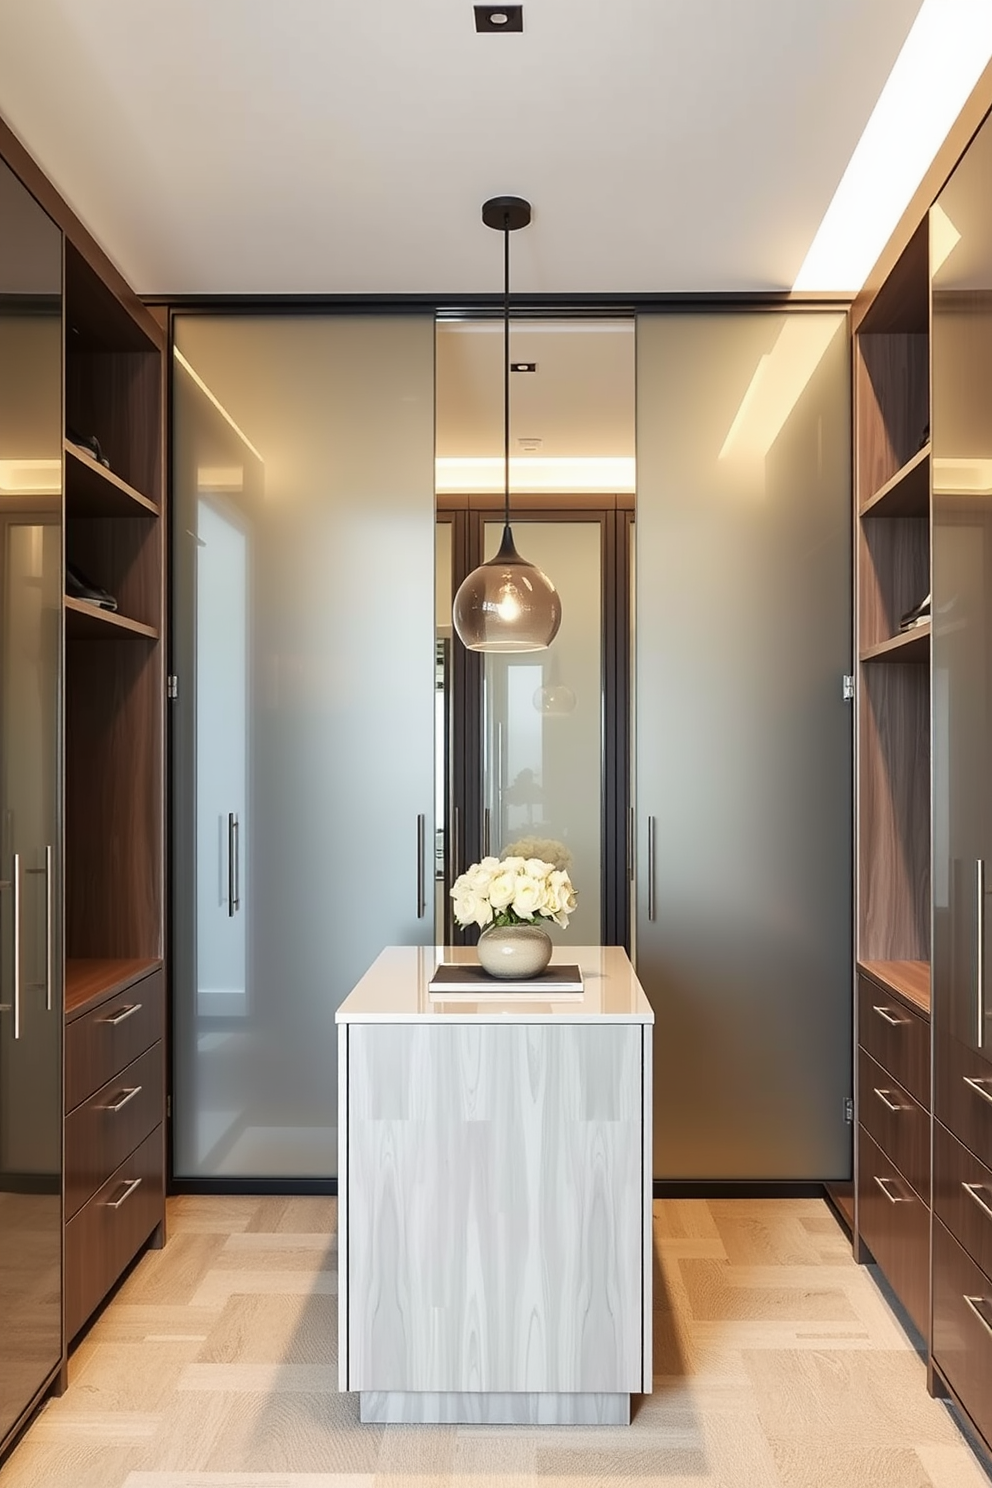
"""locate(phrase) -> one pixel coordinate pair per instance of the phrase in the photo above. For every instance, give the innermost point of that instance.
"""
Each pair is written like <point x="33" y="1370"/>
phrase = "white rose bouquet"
<point x="512" y="891"/>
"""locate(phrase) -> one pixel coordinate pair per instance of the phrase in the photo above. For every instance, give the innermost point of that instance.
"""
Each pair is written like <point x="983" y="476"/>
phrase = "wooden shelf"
<point x="90" y="979"/>
<point x="907" y="494"/>
<point x="83" y="619"/>
<point x="909" y="980"/>
<point x="909" y="646"/>
<point x="94" y="491"/>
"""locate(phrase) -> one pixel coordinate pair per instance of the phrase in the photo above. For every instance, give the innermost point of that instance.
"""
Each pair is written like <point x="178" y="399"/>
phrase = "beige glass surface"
<point x="743" y="753"/>
<point x="543" y="725"/>
<point x="304" y="493"/>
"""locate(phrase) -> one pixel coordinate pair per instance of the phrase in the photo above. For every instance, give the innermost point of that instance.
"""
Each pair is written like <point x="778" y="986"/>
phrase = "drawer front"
<point x="962" y="1328"/>
<point x="962" y="1196"/>
<point x="104" y="1041"/>
<point x="101" y="1132"/>
<point x="899" y="1126"/>
<point x="897" y="1038"/>
<point x="963" y="1097"/>
<point x="894" y="1223"/>
<point x="108" y="1231"/>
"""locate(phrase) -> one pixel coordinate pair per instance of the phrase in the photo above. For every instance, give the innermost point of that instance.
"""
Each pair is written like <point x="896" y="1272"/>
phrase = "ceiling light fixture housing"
<point x="499" y="17"/>
<point x="506" y="604"/>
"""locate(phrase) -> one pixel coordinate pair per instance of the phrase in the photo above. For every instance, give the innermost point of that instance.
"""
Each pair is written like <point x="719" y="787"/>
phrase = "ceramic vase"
<point x="514" y="952"/>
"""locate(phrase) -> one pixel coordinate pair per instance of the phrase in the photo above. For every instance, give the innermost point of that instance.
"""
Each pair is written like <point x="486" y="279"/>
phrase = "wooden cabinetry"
<point x="106" y="849"/>
<point x="114" y="1133"/>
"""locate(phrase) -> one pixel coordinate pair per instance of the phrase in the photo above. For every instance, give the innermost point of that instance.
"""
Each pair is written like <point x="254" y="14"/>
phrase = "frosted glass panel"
<point x="744" y="740"/>
<point x="304" y="727"/>
<point x="543" y="722"/>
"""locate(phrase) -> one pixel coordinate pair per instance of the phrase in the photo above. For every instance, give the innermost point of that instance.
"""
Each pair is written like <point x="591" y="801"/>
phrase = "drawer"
<point x="962" y="1328"/>
<point x="899" y="1126"/>
<point x="962" y="1196"/>
<point x="896" y="1037"/>
<point x="101" y="1132"/>
<point x="894" y="1223"/>
<point x="105" y="1040"/>
<point x="109" y="1230"/>
<point x="963" y="1097"/>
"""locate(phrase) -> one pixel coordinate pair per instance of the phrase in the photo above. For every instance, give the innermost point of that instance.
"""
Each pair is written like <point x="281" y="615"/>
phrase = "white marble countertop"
<point x="394" y="990"/>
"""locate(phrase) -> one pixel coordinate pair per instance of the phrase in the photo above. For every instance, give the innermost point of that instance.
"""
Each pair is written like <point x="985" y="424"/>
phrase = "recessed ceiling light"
<point x="499" y="17"/>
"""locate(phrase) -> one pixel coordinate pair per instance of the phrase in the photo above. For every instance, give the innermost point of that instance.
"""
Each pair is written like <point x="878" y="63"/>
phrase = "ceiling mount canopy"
<point x="506" y="604"/>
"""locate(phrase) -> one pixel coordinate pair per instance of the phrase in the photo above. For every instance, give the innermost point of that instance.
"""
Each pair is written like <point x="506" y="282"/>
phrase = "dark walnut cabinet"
<point x="923" y="459"/>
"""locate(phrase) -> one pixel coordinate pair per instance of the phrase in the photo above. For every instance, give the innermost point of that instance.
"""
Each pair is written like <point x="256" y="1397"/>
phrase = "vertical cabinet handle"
<point x="486" y="821"/>
<point x="16" y="885"/>
<point x="980" y="949"/>
<point x="49" y="923"/>
<point x="630" y="845"/>
<point x="652" y="824"/>
<point x="233" y="863"/>
<point x="421" y="876"/>
<point x="456" y="842"/>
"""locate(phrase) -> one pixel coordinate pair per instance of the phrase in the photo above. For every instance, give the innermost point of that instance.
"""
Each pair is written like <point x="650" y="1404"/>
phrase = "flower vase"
<point x="514" y="952"/>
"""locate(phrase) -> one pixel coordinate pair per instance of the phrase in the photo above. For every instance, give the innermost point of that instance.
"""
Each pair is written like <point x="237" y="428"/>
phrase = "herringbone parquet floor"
<point x="777" y="1365"/>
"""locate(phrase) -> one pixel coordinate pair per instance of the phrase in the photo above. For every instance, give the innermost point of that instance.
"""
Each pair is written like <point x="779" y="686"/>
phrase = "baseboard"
<point x="262" y="1187"/>
<point x="734" y="1188"/>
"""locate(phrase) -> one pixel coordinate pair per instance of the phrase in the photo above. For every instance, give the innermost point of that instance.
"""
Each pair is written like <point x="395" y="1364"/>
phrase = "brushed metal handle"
<point x="124" y="1014"/>
<point x="979" y="1087"/>
<point x="652" y="822"/>
<point x="486" y="822"/>
<point x="974" y="1191"/>
<point x="127" y="1095"/>
<point x="883" y="1096"/>
<point x="976" y="1304"/>
<point x="128" y="1191"/>
<point x="421" y="843"/>
<point x="16" y="887"/>
<point x="882" y="1182"/>
<point x="456" y="841"/>
<point x="233" y="863"/>
<point x="49" y="922"/>
<point x="888" y="1017"/>
<point x="630" y="844"/>
<point x="980" y="949"/>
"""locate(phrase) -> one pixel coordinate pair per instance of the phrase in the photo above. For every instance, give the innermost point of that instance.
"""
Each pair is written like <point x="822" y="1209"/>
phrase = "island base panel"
<point x="492" y="1408"/>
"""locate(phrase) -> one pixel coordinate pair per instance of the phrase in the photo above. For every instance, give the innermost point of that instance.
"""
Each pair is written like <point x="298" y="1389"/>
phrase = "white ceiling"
<point x="346" y="146"/>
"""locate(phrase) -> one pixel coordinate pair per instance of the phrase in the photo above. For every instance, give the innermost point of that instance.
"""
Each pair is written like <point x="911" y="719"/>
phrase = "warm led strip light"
<point x="943" y="57"/>
<point x="557" y="473"/>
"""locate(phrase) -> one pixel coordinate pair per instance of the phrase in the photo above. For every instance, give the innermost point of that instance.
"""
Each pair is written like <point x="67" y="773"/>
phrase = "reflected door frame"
<point x="463" y="813"/>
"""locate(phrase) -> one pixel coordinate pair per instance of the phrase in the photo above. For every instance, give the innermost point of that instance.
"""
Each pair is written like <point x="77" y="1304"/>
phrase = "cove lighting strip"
<point x="552" y="473"/>
<point x="944" y="55"/>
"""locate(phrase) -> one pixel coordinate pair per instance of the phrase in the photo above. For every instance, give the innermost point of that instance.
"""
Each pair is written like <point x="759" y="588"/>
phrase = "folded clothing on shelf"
<point x="89" y="444"/>
<point x="78" y="586"/>
<point x="918" y="615"/>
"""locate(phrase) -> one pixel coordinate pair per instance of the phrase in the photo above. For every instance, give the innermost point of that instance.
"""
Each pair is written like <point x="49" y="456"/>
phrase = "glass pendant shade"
<point x="507" y="604"/>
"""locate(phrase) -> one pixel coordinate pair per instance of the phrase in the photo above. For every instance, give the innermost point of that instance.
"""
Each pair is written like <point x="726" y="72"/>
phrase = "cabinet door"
<point x="30" y="647"/>
<point x="962" y="647"/>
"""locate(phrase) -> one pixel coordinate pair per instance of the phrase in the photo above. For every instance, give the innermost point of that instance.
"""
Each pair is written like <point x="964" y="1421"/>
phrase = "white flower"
<point x="503" y="888"/>
<point x="537" y="868"/>
<point x="528" y="898"/>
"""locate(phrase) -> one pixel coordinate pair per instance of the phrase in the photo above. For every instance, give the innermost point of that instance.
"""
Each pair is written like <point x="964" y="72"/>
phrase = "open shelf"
<point x="907" y="979"/>
<point x="94" y="491"/>
<point x="910" y="645"/>
<point x="84" y="619"/>
<point x="90" y="978"/>
<point x="907" y="494"/>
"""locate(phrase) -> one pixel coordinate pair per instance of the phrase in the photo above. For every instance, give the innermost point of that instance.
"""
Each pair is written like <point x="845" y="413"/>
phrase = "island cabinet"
<point x="495" y="1196"/>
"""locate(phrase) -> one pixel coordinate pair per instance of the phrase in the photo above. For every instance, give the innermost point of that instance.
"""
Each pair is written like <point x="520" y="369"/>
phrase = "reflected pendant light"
<point x="506" y="604"/>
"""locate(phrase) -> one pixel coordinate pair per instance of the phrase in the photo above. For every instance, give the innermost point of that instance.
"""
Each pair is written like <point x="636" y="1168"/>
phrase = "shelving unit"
<point x="909" y="646"/>
<point x="905" y="494"/>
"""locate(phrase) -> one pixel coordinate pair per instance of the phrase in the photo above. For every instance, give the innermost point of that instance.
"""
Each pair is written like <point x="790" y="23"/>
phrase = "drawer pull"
<point x="977" y="1304"/>
<point x="129" y="1187"/>
<point x="126" y="1095"/>
<point x="979" y="1086"/>
<point x="975" y="1191"/>
<point x="883" y="1096"/>
<point x="125" y="1012"/>
<point x="889" y="1017"/>
<point x="892" y="1198"/>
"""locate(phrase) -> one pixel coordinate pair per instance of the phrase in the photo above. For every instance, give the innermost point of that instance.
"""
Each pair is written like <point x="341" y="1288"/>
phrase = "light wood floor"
<point x="777" y="1365"/>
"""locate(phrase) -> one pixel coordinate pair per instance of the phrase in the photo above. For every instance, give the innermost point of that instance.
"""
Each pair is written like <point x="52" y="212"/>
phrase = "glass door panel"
<point x="543" y="725"/>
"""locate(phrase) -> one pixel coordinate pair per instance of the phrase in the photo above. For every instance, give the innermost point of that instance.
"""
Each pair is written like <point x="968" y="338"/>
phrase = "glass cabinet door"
<point x="961" y="257"/>
<point x="30" y="666"/>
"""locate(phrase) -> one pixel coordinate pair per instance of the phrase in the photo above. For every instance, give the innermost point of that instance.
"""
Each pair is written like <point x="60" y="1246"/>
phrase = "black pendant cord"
<point x="506" y="372"/>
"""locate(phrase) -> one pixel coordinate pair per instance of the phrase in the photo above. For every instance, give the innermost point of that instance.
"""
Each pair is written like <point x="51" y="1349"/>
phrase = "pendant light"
<point x="506" y="604"/>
